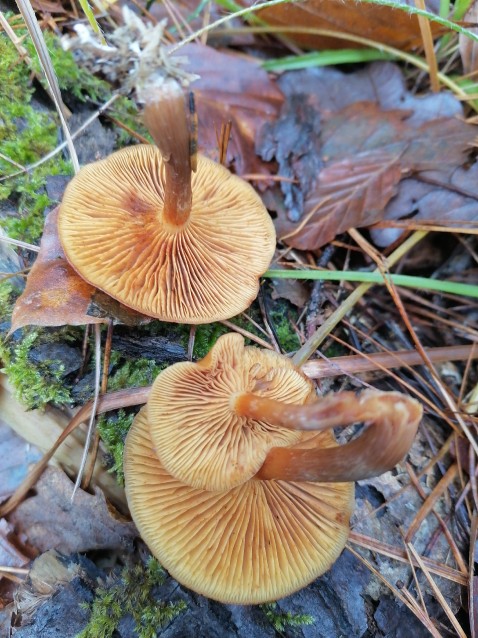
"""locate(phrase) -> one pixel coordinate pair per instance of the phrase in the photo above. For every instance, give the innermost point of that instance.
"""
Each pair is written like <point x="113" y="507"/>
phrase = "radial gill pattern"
<point x="197" y="435"/>
<point x="113" y="233"/>
<point x="257" y="542"/>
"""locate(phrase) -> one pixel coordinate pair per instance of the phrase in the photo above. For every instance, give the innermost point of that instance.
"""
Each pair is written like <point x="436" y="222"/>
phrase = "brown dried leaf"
<point x="17" y="455"/>
<point x="55" y="295"/>
<point x="468" y="47"/>
<point x="242" y="92"/>
<point x="347" y="149"/>
<point x="350" y="193"/>
<point x="10" y="554"/>
<point x="379" y="23"/>
<point x="437" y="197"/>
<point x="50" y="520"/>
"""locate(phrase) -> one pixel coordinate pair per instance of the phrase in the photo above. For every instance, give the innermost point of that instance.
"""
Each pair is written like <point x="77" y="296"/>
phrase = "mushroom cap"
<point x="198" y="436"/>
<point x="113" y="233"/>
<point x="255" y="543"/>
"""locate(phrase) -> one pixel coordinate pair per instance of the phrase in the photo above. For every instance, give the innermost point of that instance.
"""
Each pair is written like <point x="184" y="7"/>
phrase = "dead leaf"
<point x="362" y="148"/>
<point x="10" y="554"/>
<point x="468" y="47"/>
<point x="378" y="23"/>
<point x="55" y="295"/>
<point x="439" y="197"/>
<point x="350" y="193"/>
<point x="17" y="455"/>
<point x="244" y="94"/>
<point x="50" y="520"/>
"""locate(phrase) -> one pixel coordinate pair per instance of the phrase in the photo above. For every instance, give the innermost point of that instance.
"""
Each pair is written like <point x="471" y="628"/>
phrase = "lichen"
<point x="132" y="594"/>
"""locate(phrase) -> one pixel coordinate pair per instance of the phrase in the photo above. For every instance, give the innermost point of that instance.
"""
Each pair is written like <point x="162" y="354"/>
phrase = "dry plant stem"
<point x="354" y="364"/>
<point x="311" y="345"/>
<point x="393" y="419"/>
<point x="166" y="119"/>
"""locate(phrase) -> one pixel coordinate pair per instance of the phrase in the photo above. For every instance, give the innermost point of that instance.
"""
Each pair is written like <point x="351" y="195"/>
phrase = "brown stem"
<point x="165" y="117"/>
<point x="392" y="417"/>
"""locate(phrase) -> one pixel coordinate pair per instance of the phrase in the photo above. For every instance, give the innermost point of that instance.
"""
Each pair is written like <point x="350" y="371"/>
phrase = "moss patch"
<point x="132" y="594"/>
<point x="35" y="385"/>
<point x="282" y="620"/>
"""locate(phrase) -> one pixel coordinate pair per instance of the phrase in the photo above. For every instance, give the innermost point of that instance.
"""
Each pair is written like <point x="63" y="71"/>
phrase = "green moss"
<point x="286" y="335"/>
<point x="113" y="431"/>
<point x="6" y="299"/>
<point x="72" y="78"/>
<point x="133" y="373"/>
<point x="35" y="385"/>
<point x="282" y="620"/>
<point x="132" y="594"/>
<point x="26" y="135"/>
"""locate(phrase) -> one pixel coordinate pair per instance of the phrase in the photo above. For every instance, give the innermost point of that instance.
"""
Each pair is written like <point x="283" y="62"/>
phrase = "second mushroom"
<point x="234" y="478"/>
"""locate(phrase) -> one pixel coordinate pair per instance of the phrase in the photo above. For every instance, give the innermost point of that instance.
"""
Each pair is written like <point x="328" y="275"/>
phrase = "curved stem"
<point x="392" y="417"/>
<point x="166" y="119"/>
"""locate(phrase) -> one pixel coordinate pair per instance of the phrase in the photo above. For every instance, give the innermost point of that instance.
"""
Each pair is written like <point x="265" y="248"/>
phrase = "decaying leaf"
<point x="55" y="295"/>
<point x="17" y="455"/>
<point x="50" y="520"/>
<point x="378" y="23"/>
<point x="10" y="554"/>
<point x="244" y="94"/>
<point x="370" y="138"/>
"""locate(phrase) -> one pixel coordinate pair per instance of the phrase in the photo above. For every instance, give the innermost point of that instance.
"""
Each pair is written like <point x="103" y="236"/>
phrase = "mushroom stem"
<point x="392" y="417"/>
<point x="165" y="117"/>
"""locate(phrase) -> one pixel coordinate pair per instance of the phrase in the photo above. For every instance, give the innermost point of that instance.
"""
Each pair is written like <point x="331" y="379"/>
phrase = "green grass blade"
<point x="326" y="58"/>
<point x="420" y="283"/>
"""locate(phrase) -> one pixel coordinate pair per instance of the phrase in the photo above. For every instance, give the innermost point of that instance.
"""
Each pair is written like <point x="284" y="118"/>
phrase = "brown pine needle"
<point x="400" y="555"/>
<point x="436" y="590"/>
<point x="453" y="546"/>
<point x="428" y="47"/>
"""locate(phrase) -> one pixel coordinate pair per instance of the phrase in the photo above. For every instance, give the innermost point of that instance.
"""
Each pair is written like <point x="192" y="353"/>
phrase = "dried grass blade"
<point x="47" y="66"/>
<point x="428" y="46"/>
<point x="446" y="608"/>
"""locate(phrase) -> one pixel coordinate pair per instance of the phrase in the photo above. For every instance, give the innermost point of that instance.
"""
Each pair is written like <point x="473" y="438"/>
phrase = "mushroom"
<point x="234" y="478"/>
<point x="172" y="244"/>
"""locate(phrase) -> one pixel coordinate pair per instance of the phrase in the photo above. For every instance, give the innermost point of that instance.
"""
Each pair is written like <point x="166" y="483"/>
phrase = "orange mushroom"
<point x="172" y="244"/>
<point x="234" y="478"/>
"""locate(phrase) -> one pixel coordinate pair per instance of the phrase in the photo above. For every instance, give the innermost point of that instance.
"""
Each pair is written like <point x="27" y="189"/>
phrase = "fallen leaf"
<point x="437" y="197"/>
<point x="245" y="94"/>
<point x="468" y="47"/>
<point x="10" y="554"/>
<point x="361" y="151"/>
<point x="391" y="26"/>
<point x="51" y="520"/>
<point x="350" y="193"/>
<point x="17" y="455"/>
<point x="55" y="295"/>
